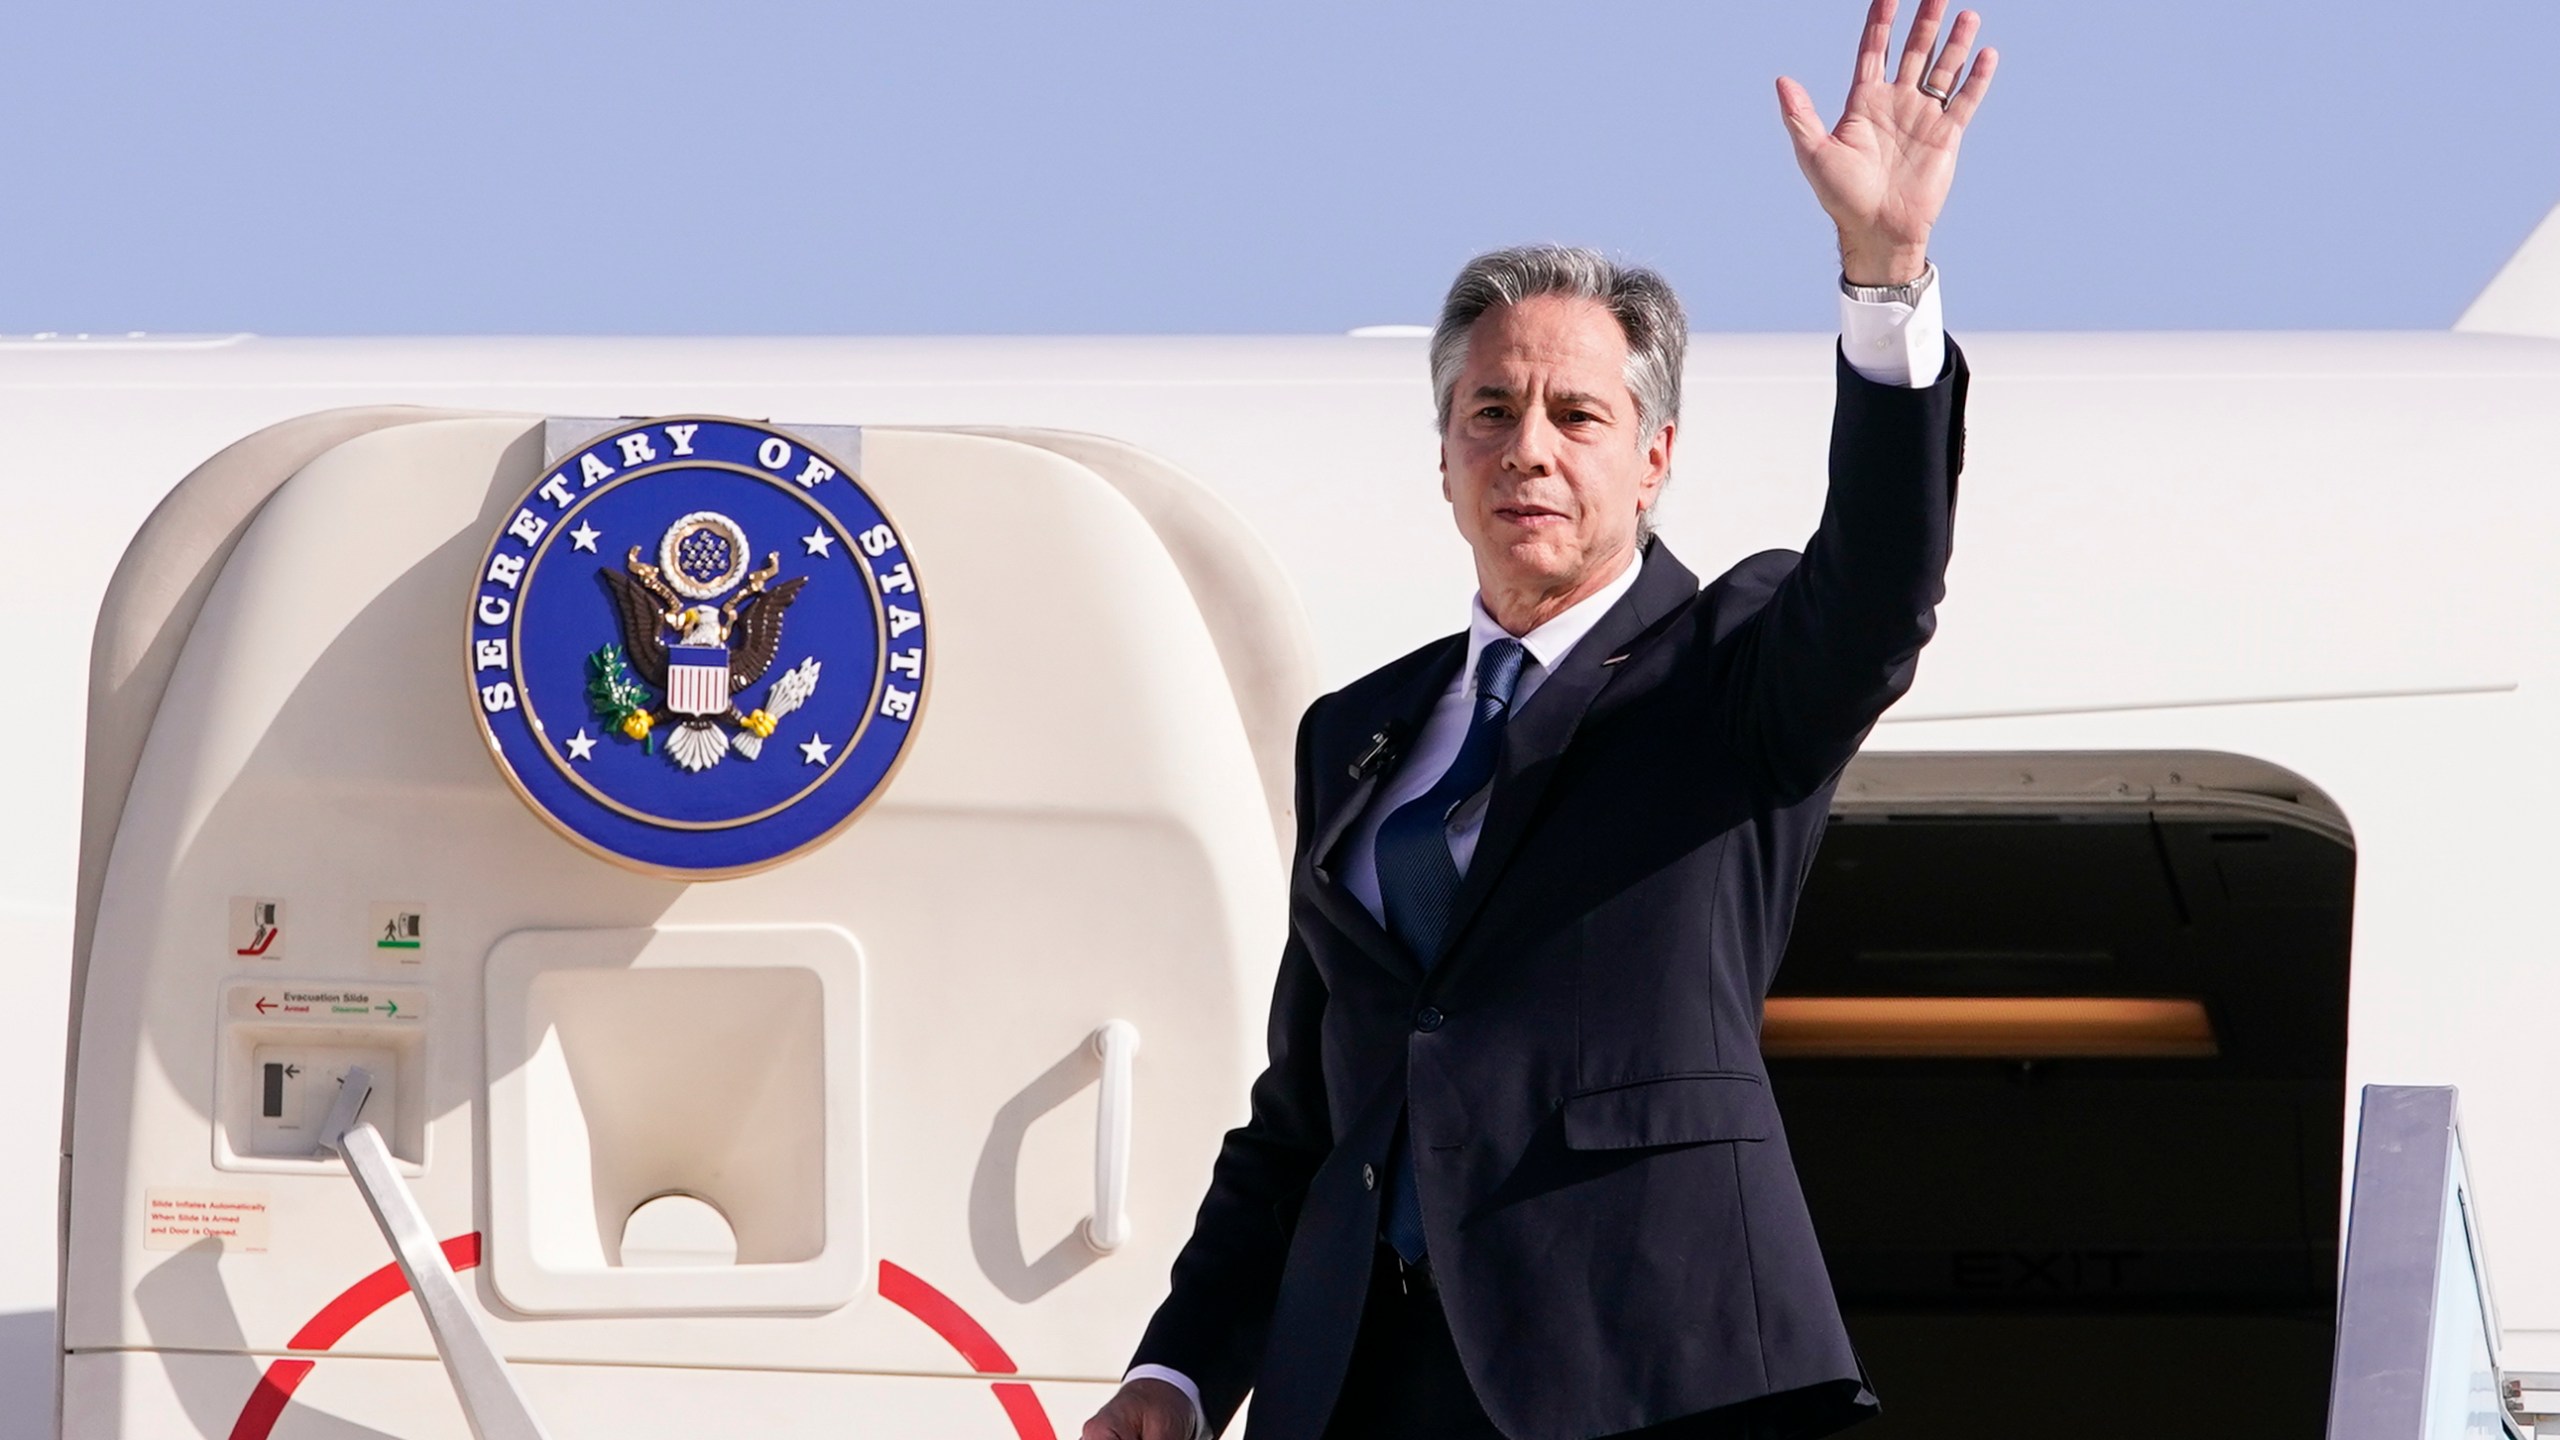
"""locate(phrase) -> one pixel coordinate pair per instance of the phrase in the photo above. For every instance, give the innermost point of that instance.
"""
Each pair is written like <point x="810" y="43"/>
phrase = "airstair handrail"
<point x="2418" y="1334"/>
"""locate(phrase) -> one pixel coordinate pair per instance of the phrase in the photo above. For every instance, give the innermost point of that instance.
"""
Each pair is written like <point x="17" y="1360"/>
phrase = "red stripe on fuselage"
<point x="939" y="1312"/>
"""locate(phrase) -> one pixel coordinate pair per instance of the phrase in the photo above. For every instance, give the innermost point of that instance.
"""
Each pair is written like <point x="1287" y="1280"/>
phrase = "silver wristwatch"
<point x="1906" y="293"/>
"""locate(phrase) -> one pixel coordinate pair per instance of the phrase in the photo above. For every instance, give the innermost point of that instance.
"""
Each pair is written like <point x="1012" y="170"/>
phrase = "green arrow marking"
<point x="392" y="1008"/>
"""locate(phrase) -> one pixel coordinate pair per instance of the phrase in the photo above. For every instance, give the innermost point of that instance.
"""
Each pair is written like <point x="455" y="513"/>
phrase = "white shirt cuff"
<point x="1179" y="1381"/>
<point x="1896" y="344"/>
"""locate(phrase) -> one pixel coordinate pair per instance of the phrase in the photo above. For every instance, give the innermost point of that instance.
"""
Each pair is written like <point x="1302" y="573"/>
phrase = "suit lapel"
<point x="1389" y="726"/>
<point x="1533" y="744"/>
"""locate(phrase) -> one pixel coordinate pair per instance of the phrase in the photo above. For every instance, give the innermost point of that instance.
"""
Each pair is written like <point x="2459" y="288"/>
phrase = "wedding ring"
<point x="1933" y="92"/>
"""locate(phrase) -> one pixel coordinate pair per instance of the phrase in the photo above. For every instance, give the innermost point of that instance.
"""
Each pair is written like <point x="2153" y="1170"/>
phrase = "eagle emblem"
<point x="648" y="625"/>
<point x="699" y="630"/>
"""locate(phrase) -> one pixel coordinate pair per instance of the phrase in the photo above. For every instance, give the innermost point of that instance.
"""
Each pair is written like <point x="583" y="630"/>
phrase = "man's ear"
<point x="1444" y="473"/>
<point x="1657" y="468"/>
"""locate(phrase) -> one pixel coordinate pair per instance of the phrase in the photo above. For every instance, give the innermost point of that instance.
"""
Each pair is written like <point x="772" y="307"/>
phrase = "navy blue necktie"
<point x="1418" y="880"/>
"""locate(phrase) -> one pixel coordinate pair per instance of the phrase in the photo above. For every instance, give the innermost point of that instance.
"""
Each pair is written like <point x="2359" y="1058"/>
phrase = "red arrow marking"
<point x="938" y="1311"/>
<point x="263" y="1004"/>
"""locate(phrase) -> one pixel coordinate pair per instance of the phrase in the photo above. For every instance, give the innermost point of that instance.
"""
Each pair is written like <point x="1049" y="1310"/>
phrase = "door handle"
<point x="1116" y="1044"/>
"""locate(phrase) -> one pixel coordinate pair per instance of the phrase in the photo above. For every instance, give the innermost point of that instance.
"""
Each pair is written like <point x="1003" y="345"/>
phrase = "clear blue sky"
<point x="955" y="166"/>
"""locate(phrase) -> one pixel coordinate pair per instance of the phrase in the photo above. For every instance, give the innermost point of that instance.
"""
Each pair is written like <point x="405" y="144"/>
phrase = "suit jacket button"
<point x="1368" y="1177"/>
<point x="1428" y="1019"/>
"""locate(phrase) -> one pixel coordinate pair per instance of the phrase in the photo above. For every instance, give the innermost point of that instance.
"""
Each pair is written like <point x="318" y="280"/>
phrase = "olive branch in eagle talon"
<point x="616" y="695"/>
<point x="621" y="681"/>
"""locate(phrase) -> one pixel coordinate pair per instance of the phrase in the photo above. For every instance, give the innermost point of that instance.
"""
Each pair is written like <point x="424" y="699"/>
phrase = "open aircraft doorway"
<point x="2061" y="1042"/>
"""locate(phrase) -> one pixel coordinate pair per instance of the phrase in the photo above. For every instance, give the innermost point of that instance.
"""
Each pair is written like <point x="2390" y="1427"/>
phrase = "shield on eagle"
<point x="698" y="679"/>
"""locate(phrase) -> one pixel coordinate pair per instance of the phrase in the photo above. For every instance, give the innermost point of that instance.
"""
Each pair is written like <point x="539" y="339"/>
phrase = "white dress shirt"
<point x="1896" y="344"/>
<point x="1889" y="343"/>
<point x="1437" y="746"/>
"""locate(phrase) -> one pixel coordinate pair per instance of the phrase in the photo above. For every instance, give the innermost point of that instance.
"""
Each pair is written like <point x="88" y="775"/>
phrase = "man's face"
<point x="1545" y="463"/>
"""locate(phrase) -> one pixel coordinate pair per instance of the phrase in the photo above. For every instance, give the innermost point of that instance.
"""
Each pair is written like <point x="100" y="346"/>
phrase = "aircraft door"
<point x="831" y="1141"/>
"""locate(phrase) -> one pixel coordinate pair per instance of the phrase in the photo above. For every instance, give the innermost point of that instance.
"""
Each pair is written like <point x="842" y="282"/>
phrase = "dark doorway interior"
<point x="2099" y="1247"/>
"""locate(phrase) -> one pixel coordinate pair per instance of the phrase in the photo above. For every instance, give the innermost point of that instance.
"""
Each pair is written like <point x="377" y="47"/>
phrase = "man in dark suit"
<point x="1514" y="1169"/>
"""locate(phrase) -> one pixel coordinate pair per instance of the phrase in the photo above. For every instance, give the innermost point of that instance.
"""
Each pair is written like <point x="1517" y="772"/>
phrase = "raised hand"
<point x="1882" y="173"/>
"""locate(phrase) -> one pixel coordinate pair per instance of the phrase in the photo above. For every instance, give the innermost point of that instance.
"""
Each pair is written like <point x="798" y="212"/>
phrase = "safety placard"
<point x="257" y="928"/>
<point x="327" y="1003"/>
<point x="399" y="931"/>
<point x="175" y="1217"/>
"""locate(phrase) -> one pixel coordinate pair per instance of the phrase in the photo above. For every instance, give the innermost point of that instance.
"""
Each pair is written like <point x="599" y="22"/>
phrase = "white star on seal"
<point x="820" y="543"/>
<point x="585" y="536"/>
<point x="582" y="746"/>
<point x="815" y="752"/>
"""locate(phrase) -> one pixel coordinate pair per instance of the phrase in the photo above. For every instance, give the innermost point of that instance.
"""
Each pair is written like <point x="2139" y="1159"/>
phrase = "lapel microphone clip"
<point x="1380" y="754"/>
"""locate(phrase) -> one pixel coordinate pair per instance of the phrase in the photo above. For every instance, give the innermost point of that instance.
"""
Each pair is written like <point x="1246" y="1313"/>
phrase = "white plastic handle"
<point x="1117" y="1043"/>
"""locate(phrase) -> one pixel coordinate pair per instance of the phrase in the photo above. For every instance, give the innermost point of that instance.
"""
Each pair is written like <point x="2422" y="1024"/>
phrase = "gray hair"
<point x="1647" y="310"/>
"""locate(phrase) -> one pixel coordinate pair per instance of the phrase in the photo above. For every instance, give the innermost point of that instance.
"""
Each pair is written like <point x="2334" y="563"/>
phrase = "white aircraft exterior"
<point x="2289" y="595"/>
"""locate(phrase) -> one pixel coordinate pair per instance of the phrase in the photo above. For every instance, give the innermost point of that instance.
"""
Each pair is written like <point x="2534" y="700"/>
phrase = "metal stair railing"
<point x="2417" y="1352"/>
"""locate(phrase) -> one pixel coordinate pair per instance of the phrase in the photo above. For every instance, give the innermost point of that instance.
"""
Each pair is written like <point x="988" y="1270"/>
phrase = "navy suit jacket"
<point x="1614" y="1223"/>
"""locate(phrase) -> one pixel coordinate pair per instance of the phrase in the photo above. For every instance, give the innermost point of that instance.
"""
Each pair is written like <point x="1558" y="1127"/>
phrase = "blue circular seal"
<point x="697" y="646"/>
